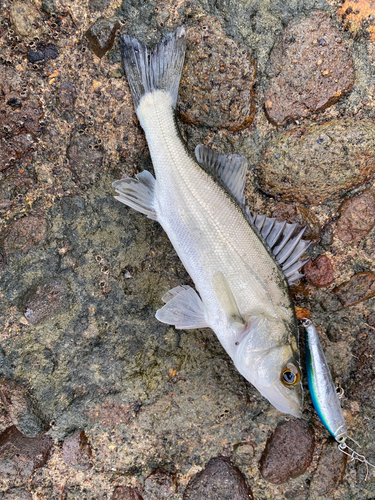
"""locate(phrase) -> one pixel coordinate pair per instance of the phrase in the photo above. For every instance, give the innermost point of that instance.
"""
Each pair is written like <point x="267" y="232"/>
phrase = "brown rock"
<point x="360" y="287"/>
<point x="319" y="272"/>
<point x="361" y="386"/>
<point x="330" y="471"/>
<point x="46" y="300"/>
<point x="217" y="81"/>
<point x="21" y="408"/>
<point x="126" y="493"/>
<point x="101" y="35"/>
<point x="219" y="480"/>
<point x="302" y="313"/>
<point x="159" y="485"/>
<point x="301" y="215"/>
<point x="317" y="163"/>
<point x="357" y="217"/>
<point x="288" y="452"/>
<point x="85" y="156"/>
<point x="77" y="451"/>
<point x="310" y="69"/>
<point x="21" y="455"/>
<point x="24" y="234"/>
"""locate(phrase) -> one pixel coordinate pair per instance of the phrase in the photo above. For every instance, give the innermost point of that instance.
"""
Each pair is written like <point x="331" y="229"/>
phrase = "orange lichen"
<point x="302" y="313"/>
<point x="356" y="14"/>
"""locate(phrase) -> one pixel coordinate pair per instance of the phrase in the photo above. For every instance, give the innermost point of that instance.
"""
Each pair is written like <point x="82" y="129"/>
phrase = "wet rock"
<point x="361" y="386"/>
<point x="357" y="217"/>
<point x="303" y="216"/>
<point x="159" y="485"/>
<point x="360" y="287"/>
<point x="21" y="409"/>
<point x="49" y="6"/>
<point x="46" y="300"/>
<point x="317" y="163"/>
<point x="219" y="479"/>
<point x="24" y="234"/>
<point x="17" y="494"/>
<point x="357" y="16"/>
<point x="101" y="35"/>
<point x="288" y="452"/>
<point x="42" y="53"/>
<point x="66" y="98"/>
<point x="21" y="455"/>
<point x="77" y="451"/>
<point x="319" y="272"/>
<point x="310" y="69"/>
<point x="330" y="471"/>
<point x="25" y="18"/>
<point x="85" y="157"/>
<point x="217" y="81"/>
<point x="126" y="493"/>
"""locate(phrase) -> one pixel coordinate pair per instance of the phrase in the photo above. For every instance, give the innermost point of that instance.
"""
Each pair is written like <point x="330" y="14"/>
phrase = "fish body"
<point x="243" y="293"/>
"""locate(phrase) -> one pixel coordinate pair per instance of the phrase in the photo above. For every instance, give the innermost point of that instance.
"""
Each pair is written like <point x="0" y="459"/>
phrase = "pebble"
<point x="20" y="456"/>
<point x="333" y="157"/>
<point x="126" y="493"/>
<point x="25" y="18"/>
<point x="288" y="452"/>
<point x="357" y="217"/>
<point x="43" y="53"/>
<point x="217" y="81"/>
<point x="101" y="35"/>
<point x="360" y="287"/>
<point x="310" y="69"/>
<point x="330" y="471"/>
<point x="21" y="409"/>
<point x="160" y="485"/>
<point x="303" y="216"/>
<point x="219" y="479"/>
<point x="319" y="272"/>
<point x="77" y="451"/>
<point x="24" y="234"/>
<point x="46" y="300"/>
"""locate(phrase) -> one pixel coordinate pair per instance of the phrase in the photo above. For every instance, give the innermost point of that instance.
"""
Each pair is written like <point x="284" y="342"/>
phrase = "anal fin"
<point x="138" y="193"/>
<point x="184" y="309"/>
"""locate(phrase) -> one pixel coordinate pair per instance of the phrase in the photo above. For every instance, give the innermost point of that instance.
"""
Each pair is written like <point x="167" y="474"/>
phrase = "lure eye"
<point x="290" y="375"/>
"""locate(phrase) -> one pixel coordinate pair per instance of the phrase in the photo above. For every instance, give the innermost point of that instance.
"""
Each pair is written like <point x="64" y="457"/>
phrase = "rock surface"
<point x="319" y="272"/>
<point x="219" y="479"/>
<point x="310" y="69"/>
<point x="77" y="451"/>
<point x="288" y="452"/>
<point x="126" y="493"/>
<point x="360" y="287"/>
<point x="301" y="215"/>
<point x="330" y="471"/>
<point x="307" y="175"/>
<point x="101" y="35"/>
<point x="357" y="217"/>
<point x="47" y="299"/>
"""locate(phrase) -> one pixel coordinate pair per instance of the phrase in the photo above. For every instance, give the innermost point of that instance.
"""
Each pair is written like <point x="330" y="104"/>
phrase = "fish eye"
<point x="290" y="375"/>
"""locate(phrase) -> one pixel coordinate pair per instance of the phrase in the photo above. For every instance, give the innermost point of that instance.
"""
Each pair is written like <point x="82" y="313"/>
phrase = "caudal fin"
<point x="159" y="69"/>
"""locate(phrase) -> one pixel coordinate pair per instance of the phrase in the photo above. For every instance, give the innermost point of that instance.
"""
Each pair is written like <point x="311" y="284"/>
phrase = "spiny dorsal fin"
<point x="230" y="170"/>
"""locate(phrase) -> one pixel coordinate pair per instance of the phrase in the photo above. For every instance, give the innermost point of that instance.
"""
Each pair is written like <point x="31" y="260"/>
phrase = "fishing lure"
<point x="324" y="395"/>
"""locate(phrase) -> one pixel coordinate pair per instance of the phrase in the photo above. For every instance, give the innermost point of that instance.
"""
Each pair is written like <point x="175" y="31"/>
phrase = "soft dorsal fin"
<point x="230" y="170"/>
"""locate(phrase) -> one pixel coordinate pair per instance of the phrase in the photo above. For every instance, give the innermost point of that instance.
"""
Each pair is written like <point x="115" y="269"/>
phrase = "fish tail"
<point x="159" y="69"/>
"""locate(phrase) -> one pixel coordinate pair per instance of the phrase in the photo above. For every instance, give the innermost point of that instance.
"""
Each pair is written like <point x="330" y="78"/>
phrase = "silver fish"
<point x="243" y="291"/>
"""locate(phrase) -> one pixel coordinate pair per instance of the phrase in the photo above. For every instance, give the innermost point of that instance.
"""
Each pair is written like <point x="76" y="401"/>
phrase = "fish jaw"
<point x="262" y="363"/>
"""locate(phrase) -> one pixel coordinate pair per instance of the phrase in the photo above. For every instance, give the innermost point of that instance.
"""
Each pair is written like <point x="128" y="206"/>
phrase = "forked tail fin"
<point x="159" y="69"/>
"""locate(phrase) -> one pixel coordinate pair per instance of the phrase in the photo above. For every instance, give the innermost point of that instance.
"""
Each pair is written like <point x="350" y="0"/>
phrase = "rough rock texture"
<point x="159" y="485"/>
<point x="361" y="386"/>
<point x="77" y="451"/>
<point x="101" y="35"/>
<point x="24" y="234"/>
<point x="306" y="175"/>
<point x="301" y="215"/>
<point x="220" y="95"/>
<point x="360" y="287"/>
<point x="126" y="493"/>
<point x="358" y="16"/>
<point x="16" y="494"/>
<point x="310" y="69"/>
<point x="330" y="471"/>
<point x="357" y="217"/>
<point x="319" y="272"/>
<point x="219" y="479"/>
<point x="47" y="299"/>
<point x="288" y="452"/>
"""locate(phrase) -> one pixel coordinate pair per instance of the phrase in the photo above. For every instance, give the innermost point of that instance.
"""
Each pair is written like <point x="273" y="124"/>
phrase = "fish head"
<point x="267" y="356"/>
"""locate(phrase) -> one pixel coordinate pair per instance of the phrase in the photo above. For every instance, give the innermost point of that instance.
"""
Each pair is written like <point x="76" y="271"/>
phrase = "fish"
<point x="241" y="263"/>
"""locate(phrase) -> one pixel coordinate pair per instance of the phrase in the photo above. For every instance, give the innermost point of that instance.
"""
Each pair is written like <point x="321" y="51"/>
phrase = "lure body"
<point x="322" y="389"/>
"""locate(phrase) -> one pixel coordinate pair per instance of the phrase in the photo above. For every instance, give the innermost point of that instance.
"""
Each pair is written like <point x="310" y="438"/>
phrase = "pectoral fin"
<point x="227" y="301"/>
<point x="138" y="193"/>
<point x="183" y="309"/>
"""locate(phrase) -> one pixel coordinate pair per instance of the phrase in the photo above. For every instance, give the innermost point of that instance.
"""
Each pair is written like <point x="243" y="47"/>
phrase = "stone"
<point x="358" y="16"/>
<point x="98" y="5"/>
<point x="126" y="493"/>
<point x="47" y="299"/>
<point x="318" y="162"/>
<point x="220" y="479"/>
<point x="361" y="384"/>
<point x="160" y="485"/>
<point x="101" y="35"/>
<point x="24" y="234"/>
<point x="85" y="157"/>
<point x="17" y="494"/>
<point x="330" y="471"/>
<point x="25" y="18"/>
<point x="42" y="53"/>
<point x="288" y="452"/>
<point x="303" y="216"/>
<point x="360" y="287"/>
<point x="217" y="81"/>
<point x="77" y="451"/>
<point x="20" y="456"/>
<point x="319" y="272"/>
<point x="21" y="409"/>
<point x="357" y="217"/>
<point x="310" y="69"/>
